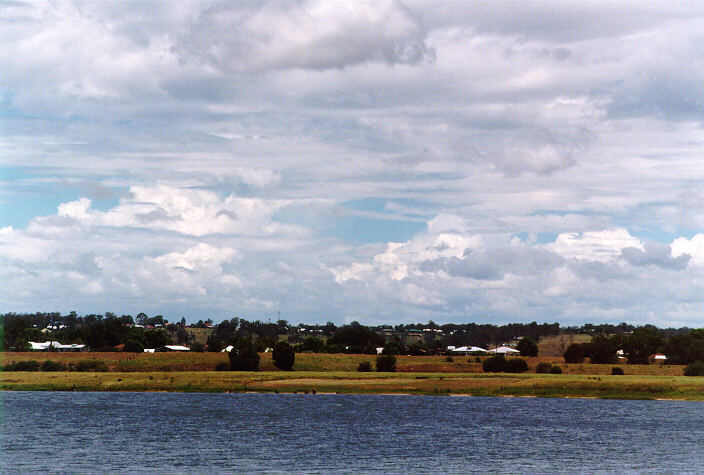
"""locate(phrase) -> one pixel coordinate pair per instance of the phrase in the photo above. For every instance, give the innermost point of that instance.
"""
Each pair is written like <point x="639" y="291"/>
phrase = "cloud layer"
<point x="378" y="161"/>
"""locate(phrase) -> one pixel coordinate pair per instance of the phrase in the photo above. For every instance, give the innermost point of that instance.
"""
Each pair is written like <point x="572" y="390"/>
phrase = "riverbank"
<point x="471" y="384"/>
<point x="322" y="362"/>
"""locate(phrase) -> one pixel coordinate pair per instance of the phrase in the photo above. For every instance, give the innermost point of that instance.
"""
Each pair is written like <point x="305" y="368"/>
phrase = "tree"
<point x="283" y="356"/>
<point x="527" y="347"/>
<point x="642" y="343"/>
<point x="133" y="346"/>
<point x="574" y="353"/>
<point x="516" y="365"/>
<point x="243" y="356"/>
<point x="564" y="340"/>
<point x="602" y="349"/>
<point x="156" y="339"/>
<point x="181" y="335"/>
<point x="386" y="363"/>
<point x="495" y="364"/>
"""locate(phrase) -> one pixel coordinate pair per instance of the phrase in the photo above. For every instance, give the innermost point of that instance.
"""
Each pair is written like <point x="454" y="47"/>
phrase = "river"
<point x="180" y="433"/>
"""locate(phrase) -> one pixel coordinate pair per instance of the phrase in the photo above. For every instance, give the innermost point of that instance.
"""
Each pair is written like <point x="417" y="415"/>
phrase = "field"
<point x="140" y="362"/>
<point x="336" y="373"/>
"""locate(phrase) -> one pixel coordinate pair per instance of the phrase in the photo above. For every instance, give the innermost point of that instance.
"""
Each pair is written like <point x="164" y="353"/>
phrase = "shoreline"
<point x="669" y="388"/>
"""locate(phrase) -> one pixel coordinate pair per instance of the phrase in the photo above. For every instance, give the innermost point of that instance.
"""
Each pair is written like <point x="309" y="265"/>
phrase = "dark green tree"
<point x="527" y="347"/>
<point x="495" y="364"/>
<point x="602" y="349"/>
<point x="574" y="353"/>
<point x="133" y="346"/>
<point x="516" y="365"/>
<point x="386" y="363"/>
<point x="642" y="343"/>
<point x="244" y="356"/>
<point x="283" y="356"/>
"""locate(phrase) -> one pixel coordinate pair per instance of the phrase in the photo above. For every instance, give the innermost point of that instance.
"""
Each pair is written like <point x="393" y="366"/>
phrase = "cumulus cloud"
<point x="656" y="254"/>
<point x="552" y="150"/>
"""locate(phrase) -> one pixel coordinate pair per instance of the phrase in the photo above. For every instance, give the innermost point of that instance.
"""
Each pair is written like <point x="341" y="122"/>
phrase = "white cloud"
<point x="600" y="246"/>
<point x="312" y="34"/>
<point x="257" y="129"/>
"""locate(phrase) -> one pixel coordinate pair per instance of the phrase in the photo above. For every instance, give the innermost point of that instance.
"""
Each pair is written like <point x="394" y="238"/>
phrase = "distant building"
<point x="465" y="350"/>
<point x="503" y="350"/>
<point x="55" y="346"/>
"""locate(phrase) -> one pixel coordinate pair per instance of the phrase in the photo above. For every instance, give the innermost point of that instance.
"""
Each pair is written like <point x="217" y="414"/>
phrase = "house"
<point x="504" y="350"/>
<point x="657" y="358"/>
<point x="172" y="348"/>
<point x="55" y="346"/>
<point x="413" y="336"/>
<point x="465" y="350"/>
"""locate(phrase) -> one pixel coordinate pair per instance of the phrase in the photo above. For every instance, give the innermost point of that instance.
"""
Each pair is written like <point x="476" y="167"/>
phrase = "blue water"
<point x="180" y="433"/>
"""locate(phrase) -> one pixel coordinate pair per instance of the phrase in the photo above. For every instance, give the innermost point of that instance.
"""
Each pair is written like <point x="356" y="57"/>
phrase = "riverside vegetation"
<point x="340" y="361"/>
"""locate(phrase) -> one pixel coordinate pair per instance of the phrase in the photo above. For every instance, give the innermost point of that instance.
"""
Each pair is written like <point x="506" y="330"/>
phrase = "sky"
<point x="384" y="162"/>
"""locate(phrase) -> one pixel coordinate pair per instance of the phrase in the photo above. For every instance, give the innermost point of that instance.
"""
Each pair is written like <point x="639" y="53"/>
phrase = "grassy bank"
<point x="621" y="387"/>
<point x="141" y="362"/>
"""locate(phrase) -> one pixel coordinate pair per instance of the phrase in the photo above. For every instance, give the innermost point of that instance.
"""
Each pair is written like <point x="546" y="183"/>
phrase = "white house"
<point x="465" y="350"/>
<point x="504" y="350"/>
<point x="54" y="346"/>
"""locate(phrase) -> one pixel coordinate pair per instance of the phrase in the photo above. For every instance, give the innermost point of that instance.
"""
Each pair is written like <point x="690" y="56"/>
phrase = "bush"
<point x="449" y="359"/>
<point x="694" y="369"/>
<point x="602" y="349"/>
<point x="49" y="365"/>
<point x="495" y="364"/>
<point x="30" y="365"/>
<point x="527" y="347"/>
<point x="364" y="367"/>
<point x="386" y="363"/>
<point x="133" y="346"/>
<point x="543" y="368"/>
<point x="244" y="357"/>
<point x="198" y="347"/>
<point x="555" y="370"/>
<point x="215" y="345"/>
<point x="91" y="366"/>
<point x="477" y="359"/>
<point x="616" y="371"/>
<point x="222" y="366"/>
<point x="283" y="356"/>
<point x="516" y="365"/>
<point x="574" y="353"/>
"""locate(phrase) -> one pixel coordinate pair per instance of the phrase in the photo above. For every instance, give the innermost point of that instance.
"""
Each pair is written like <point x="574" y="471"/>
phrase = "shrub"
<point x="602" y="349"/>
<point x="133" y="346"/>
<point x="477" y="359"/>
<point x="616" y="371"/>
<point x="283" y="356"/>
<point x="364" y="367"/>
<point x="543" y="367"/>
<point x="495" y="364"/>
<point x="694" y="369"/>
<point x="244" y="357"/>
<point x="198" y="347"/>
<point x="449" y="359"/>
<point x="574" y="353"/>
<point x="555" y="370"/>
<point x="527" y="347"/>
<point x="49" y="365"/>
<point x="215" y="345"/>
<point x="91" y="365"/>
<point x="516" y="365"/>
<point x="222" y="366"/>
<point x="386" y="363"/>
<point x="30" y="365"/>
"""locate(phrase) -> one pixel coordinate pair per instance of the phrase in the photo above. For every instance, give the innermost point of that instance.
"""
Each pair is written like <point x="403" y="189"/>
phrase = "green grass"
<point x="619" y="387"/>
